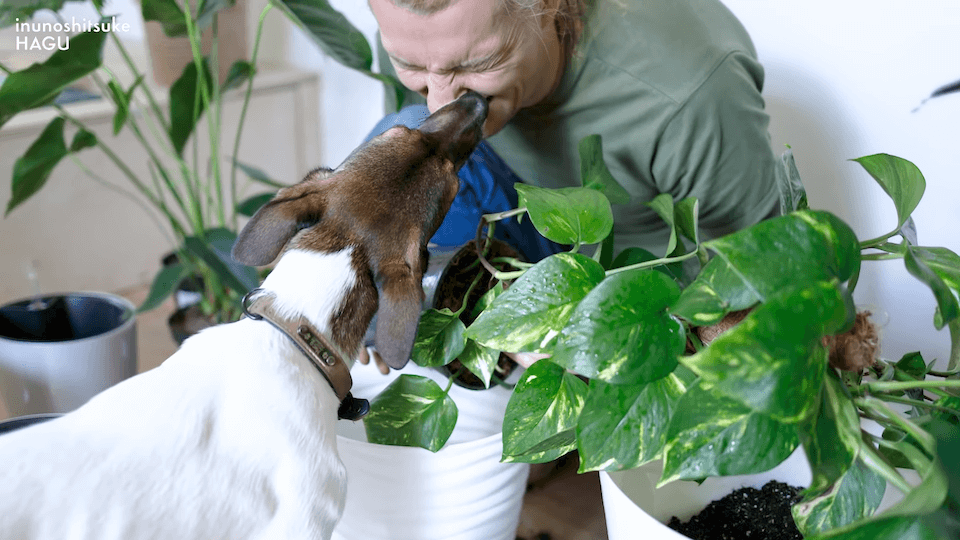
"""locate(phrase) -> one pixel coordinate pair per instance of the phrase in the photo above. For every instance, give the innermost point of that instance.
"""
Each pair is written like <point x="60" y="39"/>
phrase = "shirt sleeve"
<point x="717" y="148"/>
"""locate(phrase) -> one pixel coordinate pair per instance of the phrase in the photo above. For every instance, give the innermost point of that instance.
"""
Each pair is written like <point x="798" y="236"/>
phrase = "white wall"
<point x="843" y="80"/>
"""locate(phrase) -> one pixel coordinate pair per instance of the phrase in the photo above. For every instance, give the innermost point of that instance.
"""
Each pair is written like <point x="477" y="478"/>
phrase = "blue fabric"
<point x="486" y="186"/>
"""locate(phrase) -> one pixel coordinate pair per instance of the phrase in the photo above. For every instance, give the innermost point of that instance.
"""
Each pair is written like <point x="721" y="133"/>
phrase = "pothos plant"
<point x="197" y="195"/>
<point x="629" y="380"/>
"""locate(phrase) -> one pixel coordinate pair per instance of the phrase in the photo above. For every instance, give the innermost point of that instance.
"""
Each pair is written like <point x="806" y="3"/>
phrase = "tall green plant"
<point x="196" y="195"/>
<point x="627" y="381"/>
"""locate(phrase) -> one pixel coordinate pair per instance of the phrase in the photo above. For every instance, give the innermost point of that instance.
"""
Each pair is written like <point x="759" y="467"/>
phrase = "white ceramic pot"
<point x="58" y="351"/>
<point x="632" y="502"/>
<point x="462" y="492"/>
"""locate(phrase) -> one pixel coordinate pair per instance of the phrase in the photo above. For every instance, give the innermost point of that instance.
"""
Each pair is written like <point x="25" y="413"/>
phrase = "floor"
<point x="559" y="505"/>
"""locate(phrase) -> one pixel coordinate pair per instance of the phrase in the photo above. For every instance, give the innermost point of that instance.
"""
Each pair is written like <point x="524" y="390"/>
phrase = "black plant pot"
<point x="13" y="424"/>
<point x="456" y="278"/>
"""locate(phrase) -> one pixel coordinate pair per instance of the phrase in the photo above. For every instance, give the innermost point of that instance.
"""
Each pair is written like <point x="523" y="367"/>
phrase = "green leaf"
<point x="540" y="422"/>
<point x="258" y="175"/>
<point x="806" y="246"/>
<point x="82" y="140"/>
<point x="913" y="364"/>
<point x="793" y="196"/>
<point x="919" y="515"/>
<point x="567" y="215"/>
<point x="622" y="427"/>
<point x="214" y="251"/>
<point x="411" y="411"/>
<point x="123" y="105"/>
<point x="41" y="83"/>
<point x="32" y="170"/>
<point x="713" y="435"/>
<point x="898" y="177"/>
<point x="480" y="360"/>
<point x="330" y="30"/>
<point x="529" y="315"/>
<point x="594" y="173"/>
<point x="240" y="72"/>
<point x="621" y="332"/>
<point x="207" y="10"/>
<point x="249" y="206"/>
<point x="167" y="13"/>
<point x="440" y="338"/>
<point x="12" y="12"/>
<point x="774" y="361"/>
<point x="947" y="303"/>
<point x="686" y="215"/>
<point x="186" y="103"/>
<point x="663" y="205"/>
<point x="164" y="284"/>
<point x="855" y="496"/>
<point x="842" y="489"/>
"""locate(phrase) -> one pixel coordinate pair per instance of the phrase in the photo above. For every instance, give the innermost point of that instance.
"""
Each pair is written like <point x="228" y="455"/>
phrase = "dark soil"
<point x="761" y="514"/>
<point x="460" y="272"/>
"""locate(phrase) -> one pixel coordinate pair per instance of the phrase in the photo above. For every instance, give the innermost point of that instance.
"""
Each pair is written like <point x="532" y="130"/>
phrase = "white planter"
<point x="57" y="375"/>
<point x="462" y="492"/>
<point x="632" y="502"/>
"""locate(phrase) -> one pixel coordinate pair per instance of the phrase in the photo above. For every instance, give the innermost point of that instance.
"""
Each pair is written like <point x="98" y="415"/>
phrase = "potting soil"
<point x="761" y="514"/>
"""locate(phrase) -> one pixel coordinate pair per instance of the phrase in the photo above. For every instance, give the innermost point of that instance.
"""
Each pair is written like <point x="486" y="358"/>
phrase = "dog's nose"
<point x="459" y="118"/>
<point x="477" y="102"/>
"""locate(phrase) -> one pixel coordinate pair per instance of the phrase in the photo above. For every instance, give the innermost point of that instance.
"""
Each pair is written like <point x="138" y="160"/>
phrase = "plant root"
<point x="856" y="349"/>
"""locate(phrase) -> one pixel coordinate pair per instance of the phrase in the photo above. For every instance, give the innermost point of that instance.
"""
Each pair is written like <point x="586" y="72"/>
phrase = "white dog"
<point x="234" y="435"/>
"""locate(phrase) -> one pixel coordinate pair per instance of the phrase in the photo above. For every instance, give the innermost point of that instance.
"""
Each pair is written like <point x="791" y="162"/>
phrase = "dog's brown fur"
<point x="385" y="201"/>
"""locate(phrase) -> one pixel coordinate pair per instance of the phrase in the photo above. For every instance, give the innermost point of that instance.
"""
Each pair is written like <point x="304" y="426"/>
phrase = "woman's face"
<point x="471" y="46"/>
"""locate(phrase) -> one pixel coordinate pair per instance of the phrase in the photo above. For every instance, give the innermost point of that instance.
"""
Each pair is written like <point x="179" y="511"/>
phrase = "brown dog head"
<point x="386" y="200"/>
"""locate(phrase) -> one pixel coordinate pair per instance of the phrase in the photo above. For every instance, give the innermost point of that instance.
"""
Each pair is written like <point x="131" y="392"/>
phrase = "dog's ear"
<point x="398" y="316"/>
<point x="268" y="231"/>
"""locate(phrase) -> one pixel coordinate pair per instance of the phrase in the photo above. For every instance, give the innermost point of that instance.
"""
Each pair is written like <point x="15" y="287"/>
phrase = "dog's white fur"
<point x="231" y="437"/>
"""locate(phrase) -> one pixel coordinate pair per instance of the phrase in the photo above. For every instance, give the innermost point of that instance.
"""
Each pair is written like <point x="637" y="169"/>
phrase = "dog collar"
<point x="259" y="304"/>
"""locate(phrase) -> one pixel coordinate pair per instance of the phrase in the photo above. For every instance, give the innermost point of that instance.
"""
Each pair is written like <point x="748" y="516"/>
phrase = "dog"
<point x="234" y="435"/>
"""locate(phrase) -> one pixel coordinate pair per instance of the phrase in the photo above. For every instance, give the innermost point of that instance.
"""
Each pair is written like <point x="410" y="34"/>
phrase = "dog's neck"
<point x="314" y="285"/>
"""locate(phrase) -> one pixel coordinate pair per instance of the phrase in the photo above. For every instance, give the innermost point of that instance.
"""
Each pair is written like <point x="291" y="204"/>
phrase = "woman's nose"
<point x="442" y="90"/>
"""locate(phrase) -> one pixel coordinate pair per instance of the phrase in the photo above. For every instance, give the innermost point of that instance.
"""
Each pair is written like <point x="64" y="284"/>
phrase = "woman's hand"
<point x="366" y="353"/>
<point x="526" y="359"/>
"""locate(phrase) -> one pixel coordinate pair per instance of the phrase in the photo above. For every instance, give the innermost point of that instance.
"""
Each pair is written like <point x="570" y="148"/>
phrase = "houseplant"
<point x="621" y="390"/>
<point x="195" y="194"/>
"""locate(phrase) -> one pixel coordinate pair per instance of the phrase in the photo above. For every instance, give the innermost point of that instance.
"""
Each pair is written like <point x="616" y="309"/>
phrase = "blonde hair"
<point x="568" y="14"/>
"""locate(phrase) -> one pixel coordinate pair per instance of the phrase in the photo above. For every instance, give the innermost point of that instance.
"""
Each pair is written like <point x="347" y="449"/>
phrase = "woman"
<point x="672" y="86"/>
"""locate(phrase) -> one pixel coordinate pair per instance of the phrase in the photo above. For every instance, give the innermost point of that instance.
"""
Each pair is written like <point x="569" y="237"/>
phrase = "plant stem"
<point x="214" y="120"/>
<point x="141" y="187"/>
<point x="899" y="386"/>
<point x="243" y="113"/>
<point x="499" y="216"/>
<point x="878" y="240"/>
<point x="871" y="458"/>
<point x="125" y="193"/>
<point x="881" y="256"/>
<point x="466" y="295"/>
<point x="881" y="408"/>
<point x="918" y="403"/>
<point x="514" y="262"/>
<point x="451" y="378"/>
<point x="656" y="262"/>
